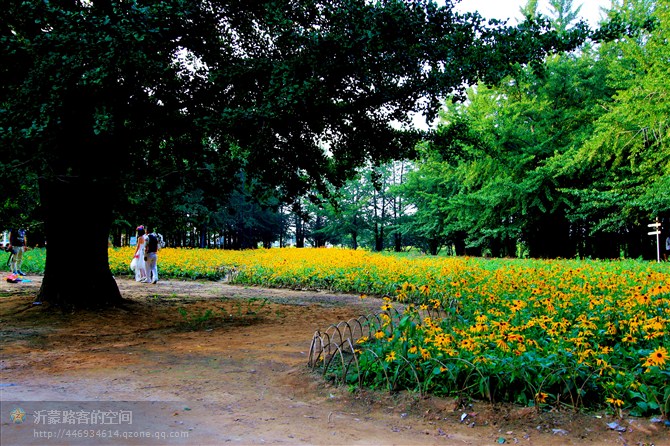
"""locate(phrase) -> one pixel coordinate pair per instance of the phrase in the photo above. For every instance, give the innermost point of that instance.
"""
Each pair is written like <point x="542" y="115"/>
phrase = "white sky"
<point x="509" y="9"/>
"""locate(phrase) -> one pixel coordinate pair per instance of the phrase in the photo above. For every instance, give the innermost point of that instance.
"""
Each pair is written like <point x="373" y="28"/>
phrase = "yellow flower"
<point x="517" y="305"/>
<point x="502" y="345"/>
<point x="408" y="286"/>
<point x="614" y="402"/>
<point x="478" y="328"/>
<point x="379" y="334"/>
<point x="362" y="340"/>
<point x="442" y="340"/>
<point x="363" y="296"/>
<point x="541" y="397"/>
<point x="390" y="357"/>
<point x="657" y="357"/>
<point x="467" y="344"/>
<point x="643" y="299"/>
<point x="425" y="354"/>
<point x="412" y="349"/>
<point x="516" y="337"/>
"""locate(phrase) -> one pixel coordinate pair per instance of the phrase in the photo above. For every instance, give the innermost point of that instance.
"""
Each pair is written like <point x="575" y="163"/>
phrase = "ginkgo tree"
<point x="627" y="158"/>
<point x="564" y="158"/>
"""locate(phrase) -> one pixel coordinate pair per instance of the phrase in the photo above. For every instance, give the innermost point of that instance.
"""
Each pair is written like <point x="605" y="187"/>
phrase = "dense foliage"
<point x="566" y="159"/>
<point x="180" y="97"/>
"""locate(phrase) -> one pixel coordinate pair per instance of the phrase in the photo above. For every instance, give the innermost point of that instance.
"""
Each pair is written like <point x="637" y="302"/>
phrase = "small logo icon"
<point x="17" y="415"/>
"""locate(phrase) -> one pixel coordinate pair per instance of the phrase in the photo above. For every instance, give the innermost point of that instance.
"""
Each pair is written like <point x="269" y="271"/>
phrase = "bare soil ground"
<point x="239" y="375"/>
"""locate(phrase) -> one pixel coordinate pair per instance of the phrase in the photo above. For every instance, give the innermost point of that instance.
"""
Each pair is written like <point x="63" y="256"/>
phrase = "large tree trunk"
<point x="433" y="246"/>
<point x="459" y="243"/>
<point x="549" y="238"/>
<point x="354" y="240"/>
<point x="397" y="241"/>
<point x="78" y="217"/>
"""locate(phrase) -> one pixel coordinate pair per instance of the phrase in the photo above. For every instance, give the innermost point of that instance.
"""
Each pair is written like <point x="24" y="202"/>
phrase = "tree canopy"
<point x="105" y="98"/>
<point x="224" y="84"/>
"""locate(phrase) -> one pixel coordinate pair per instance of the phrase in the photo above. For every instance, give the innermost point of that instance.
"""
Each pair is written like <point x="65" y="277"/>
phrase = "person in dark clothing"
<point x="18" y="243"/>
<point x="151" y="257"/>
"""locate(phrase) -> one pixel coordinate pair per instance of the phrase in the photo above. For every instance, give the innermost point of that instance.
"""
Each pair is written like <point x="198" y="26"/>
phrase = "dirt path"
<point x="238" y="375"/>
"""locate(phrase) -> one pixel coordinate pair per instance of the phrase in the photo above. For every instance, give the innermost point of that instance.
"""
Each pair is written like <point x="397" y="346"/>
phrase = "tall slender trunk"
<point x="203" y="238"/>
<point x="299" y="232"/>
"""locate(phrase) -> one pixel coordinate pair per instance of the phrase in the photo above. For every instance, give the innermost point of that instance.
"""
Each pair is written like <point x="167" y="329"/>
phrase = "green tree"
<point x="366" y="211"/>
<point x="568" y="157"/>
<point x="399" y="209"/>
<point x="529" y="10"/>
<point x="428" y="188"/>
<point x="563" y="14"/>
<point x="91" y="90"/>
<point x="494" y="176"/>
<point x="346" y="220"/>
<point x="627" y="159"/>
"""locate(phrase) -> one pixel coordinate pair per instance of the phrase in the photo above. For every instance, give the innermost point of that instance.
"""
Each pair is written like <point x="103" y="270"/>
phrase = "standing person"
<point x="666" y="253"/>
<point x="18" y="243"/>
<point x="152" y="257"/>
<point x="139" y="256"/>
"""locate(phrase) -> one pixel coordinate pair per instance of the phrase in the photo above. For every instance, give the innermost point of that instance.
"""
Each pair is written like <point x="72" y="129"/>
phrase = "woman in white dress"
<point x="138" y="258"/>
